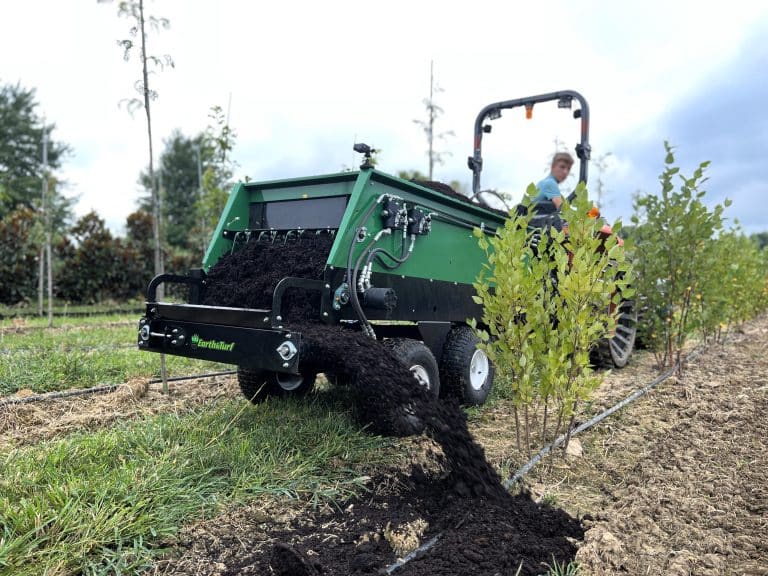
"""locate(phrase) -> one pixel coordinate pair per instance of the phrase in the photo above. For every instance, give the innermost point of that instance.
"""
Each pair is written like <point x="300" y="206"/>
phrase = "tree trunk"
<point x="155" y="195"/>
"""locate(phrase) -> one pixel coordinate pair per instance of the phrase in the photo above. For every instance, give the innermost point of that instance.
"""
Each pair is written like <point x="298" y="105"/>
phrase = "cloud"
<point x="722" y="120"/>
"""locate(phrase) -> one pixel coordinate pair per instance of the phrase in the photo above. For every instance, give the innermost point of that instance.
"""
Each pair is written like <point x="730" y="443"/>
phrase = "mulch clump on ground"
<point x="498" y="532"/>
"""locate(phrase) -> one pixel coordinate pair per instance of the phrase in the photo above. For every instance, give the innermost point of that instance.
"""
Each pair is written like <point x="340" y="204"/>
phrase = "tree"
<point x="761" y="239"/>
<point x="675" y="235"/>
<point x="133" y="10"/>
<point x="179" y="172"/>
<point x="21" y="134"/>
<point x="18" y="255"/>
<point x="548" y="298"/>
<point x="217" y="177"/>
<point x="433" y="113"/>
<point x="95" y="267"/>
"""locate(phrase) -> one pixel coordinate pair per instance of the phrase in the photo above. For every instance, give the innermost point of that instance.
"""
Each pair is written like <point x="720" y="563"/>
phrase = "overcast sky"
<point x="307" y="79"/>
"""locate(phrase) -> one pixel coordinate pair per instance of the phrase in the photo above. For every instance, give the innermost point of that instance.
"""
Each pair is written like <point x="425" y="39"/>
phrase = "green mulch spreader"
<point x="401" y="265"/>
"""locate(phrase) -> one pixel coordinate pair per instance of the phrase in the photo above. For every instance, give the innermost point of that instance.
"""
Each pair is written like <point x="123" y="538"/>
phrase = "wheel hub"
<point x="289" y="382"/>
<point x="479" y="367"/>
<point x="421" y="375"/>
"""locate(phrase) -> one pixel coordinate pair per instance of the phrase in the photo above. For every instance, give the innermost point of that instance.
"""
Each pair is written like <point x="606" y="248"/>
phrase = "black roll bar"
<point x="583" y="149"/>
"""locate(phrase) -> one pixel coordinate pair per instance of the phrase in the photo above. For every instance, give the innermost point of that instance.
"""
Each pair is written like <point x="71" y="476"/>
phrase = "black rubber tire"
<point x="258" y="385"/>
<point x="616" y="351"/>
<point x="413" y="354"/>
<point x="456" y="368"/>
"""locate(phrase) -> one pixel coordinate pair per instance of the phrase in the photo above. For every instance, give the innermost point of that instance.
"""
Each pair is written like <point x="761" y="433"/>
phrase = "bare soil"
<point x="677" y="482"/>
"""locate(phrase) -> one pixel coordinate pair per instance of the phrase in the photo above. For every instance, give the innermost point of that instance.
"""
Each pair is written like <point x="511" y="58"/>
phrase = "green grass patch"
<point x="107" y="501"/>
<point x="81" y="356"/>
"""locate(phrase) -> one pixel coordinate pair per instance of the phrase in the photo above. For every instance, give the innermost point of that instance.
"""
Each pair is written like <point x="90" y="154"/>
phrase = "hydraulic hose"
<point x="404" y="255"/>
<point x="367" y="328"/>
<point x="359" y="227"/>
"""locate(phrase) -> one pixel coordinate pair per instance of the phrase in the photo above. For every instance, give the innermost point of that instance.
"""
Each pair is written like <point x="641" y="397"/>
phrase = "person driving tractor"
<point x="549" y="187"/>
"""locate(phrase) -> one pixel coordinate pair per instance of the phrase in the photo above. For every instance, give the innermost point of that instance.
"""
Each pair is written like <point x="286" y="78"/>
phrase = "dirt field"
<point x="675" y="484"/>
<point x="679" y="484"/>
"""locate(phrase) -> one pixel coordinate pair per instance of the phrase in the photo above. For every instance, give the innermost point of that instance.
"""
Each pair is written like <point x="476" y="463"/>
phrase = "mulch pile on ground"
<point x="486" y="531"/>
<point x="477" y="536"/>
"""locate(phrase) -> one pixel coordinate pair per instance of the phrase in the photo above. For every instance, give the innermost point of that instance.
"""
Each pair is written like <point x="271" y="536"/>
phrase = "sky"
<point x="302" y="81"/>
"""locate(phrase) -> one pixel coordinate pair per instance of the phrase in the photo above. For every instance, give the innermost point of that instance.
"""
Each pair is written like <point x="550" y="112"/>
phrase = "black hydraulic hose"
<point x="359" y="227"/>
<point x="404" y="255"/>
<point x="367" y="328"/>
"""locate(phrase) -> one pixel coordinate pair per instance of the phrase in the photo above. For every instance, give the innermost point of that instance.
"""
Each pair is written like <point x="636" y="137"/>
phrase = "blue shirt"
<point x="548" y="189"/>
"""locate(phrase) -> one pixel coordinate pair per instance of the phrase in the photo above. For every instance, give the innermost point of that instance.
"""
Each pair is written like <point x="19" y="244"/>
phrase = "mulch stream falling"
<point x="485" y="529"/>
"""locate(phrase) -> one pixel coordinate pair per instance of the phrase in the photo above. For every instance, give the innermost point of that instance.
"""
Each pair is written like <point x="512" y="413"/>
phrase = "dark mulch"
<point x="247" y="277"/>
<point x="476" y="536"/>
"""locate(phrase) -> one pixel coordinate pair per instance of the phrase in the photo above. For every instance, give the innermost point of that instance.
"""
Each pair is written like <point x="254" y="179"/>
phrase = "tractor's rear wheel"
<point x="465" y="371"/>
<point x="258" y="385"/>
<point x="614" y="352"/>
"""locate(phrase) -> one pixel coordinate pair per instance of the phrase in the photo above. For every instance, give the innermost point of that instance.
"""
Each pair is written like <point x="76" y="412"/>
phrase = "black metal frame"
<point x="583" y="149"/>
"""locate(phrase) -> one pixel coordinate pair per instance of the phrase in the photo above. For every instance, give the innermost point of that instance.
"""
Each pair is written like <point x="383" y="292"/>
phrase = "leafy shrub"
<point x="546" y="305"/>
<point x="675" y="236"/>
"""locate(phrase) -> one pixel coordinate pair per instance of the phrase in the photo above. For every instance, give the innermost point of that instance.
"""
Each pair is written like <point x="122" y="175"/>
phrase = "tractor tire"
<point x="391" y="415"/>
<point x="465" y="371"/>
<point x="258" y="385"/>
<point x="615" y="352"/>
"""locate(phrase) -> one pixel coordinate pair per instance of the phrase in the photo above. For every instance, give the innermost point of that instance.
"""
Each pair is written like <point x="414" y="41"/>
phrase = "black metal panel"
<point x="256" y="216"/>
<point x="418" y="299"/>
<point x="434" y="334"/>
<point x="249" y="347"/>
<point x="306" y="213"/>
<point x="245" y="317"/>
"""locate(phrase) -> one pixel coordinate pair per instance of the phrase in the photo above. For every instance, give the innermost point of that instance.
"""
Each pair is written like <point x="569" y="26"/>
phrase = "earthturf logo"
<point x="198" y="342"/>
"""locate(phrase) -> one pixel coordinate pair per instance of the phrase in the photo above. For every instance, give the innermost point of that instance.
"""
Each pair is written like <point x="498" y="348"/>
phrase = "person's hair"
<point x="562" y="157"/>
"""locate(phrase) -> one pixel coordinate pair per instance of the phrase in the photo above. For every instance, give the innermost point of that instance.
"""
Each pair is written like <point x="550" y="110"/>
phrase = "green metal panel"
<point x="234" y="217"/>
<point x="449" y="252"/>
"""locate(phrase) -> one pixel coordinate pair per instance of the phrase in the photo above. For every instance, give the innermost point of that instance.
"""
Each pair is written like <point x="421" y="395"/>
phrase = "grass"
<point x="563" y="569"/>
<point x="109" y="501"/>
<point x="85" y="352"/>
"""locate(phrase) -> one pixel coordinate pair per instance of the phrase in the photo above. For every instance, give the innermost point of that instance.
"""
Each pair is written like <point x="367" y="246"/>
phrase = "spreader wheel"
<point x="395" y="412"/>
<point x="616" y="350"/>
<point x="257" y="385"/>
<point x="419" y="360"/>
<point x="465" y="371"/>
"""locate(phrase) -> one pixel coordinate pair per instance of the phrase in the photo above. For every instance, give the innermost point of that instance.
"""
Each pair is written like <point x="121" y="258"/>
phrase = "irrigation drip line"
<point x="66" y="327"/>
<point x="42" y="350"/>
<point x="103" y="389"/>
<point x="523" y="470"/>
<point x="412" y="555"/>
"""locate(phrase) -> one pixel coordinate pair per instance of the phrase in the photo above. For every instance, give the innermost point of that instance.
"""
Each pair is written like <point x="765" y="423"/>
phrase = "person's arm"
<point x="551" y="191"/>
